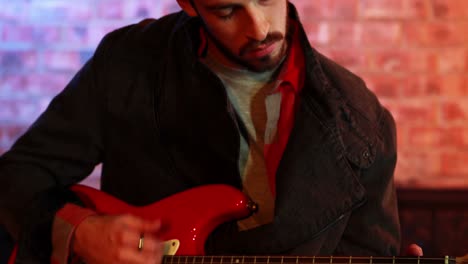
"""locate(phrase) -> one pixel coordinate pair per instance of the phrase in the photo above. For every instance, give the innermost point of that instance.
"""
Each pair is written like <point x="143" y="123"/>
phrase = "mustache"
<point x="253" y="45"/>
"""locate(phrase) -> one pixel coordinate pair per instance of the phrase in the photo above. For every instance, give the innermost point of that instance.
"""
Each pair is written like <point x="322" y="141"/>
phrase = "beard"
<point x="261" y="64"/>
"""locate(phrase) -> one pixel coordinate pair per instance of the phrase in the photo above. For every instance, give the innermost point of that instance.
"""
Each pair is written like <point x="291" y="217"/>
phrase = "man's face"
<point x="249" y="33"/>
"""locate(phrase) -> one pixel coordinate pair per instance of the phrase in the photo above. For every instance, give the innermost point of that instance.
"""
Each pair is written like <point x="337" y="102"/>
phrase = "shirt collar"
<point x="292" y="71"/>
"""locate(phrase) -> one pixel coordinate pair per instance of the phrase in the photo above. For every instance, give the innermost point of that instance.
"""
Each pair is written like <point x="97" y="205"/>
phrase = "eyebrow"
<point x="215" y="7"/>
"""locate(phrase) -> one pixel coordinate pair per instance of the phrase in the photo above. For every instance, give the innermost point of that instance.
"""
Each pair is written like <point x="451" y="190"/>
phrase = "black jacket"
<point x="160" y="122"/>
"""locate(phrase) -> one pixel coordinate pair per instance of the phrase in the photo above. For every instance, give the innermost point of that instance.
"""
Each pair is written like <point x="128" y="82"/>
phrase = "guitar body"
<point x="187" y="217"/>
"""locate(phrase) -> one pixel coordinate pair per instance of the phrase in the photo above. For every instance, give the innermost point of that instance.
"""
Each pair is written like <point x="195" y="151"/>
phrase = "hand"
<point x="115" y="239"/>
<point x="414" y="250"/>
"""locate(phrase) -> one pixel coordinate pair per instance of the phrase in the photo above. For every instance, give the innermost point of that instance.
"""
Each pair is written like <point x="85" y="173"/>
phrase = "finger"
<point x="414" y="250"/>
<point x="152" y="248"/>
<point x="151" y="226"/>
<point x="141" y="225"/>
<point x="129" y="255"/>
<point x="149" y="243"/>
<point x="127" y="237"/>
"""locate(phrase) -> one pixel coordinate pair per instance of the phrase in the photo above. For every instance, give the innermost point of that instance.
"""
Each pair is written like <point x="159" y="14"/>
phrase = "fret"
<point x="416" y="260"/>
<point x="248" y="259"/>
<point x="393" y="260"/>
<point x="330" y="260"/>
<point x="216" y="259"/>
<point x="379" y="260"/>
<point x="289" y="260"/>
<point x="306" y="260"/>
<point x="321" y="260"/>
<point x="274" y="260"/>
<point x="341" y="260"/>
<point x="262" y="259"/>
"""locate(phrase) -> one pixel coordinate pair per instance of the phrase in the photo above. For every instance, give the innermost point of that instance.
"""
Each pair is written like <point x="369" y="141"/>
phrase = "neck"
<point x="304" y="260"/>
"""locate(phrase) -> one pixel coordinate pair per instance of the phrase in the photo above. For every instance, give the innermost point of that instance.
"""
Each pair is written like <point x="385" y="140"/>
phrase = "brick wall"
<point x="412" y="53"/>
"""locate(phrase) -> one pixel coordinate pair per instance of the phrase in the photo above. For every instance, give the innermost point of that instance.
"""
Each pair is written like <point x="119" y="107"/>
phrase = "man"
<point x="227" y="91"/>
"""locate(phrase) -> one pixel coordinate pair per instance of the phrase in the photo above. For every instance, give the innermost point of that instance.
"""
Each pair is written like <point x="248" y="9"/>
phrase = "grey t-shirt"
<point x="254" y="97"/>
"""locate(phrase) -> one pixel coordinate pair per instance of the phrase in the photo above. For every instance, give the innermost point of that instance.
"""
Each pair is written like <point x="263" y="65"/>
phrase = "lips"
<point x="262" y="50"/>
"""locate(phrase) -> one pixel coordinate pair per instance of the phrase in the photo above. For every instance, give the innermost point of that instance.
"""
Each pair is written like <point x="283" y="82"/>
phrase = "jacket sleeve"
<point x="61" y="148"/>
<point x="374" y="229"/>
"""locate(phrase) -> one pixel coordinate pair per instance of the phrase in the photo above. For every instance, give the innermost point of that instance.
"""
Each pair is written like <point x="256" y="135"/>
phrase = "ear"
<point x="187" y="6"/>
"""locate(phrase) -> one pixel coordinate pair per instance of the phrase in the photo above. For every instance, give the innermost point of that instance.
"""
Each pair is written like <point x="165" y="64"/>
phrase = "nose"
<point x="258" y="26"/>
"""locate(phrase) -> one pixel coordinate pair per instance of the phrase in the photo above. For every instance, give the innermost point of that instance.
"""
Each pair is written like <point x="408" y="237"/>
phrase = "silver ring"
<point x="140" y="242"/>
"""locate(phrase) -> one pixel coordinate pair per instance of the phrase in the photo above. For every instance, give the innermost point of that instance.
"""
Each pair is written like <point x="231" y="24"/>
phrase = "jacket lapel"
<point x="315" y="184"/>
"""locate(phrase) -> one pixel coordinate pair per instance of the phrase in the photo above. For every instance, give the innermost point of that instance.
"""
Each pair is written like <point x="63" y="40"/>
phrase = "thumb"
<point x="414" y="250"/>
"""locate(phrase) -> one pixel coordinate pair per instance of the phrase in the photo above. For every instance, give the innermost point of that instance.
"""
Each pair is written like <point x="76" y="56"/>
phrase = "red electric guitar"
<point x="195" y="213"/>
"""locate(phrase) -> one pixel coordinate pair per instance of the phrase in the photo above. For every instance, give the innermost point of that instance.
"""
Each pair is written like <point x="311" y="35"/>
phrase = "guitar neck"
<point x="304" y="260"/>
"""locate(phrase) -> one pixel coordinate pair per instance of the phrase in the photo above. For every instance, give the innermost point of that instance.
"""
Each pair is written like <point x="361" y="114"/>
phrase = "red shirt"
<point x="292" y="81"/>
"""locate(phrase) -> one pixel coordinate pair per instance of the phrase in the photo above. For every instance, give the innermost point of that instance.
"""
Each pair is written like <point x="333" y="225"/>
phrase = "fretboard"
<point x="303" y="260"/>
